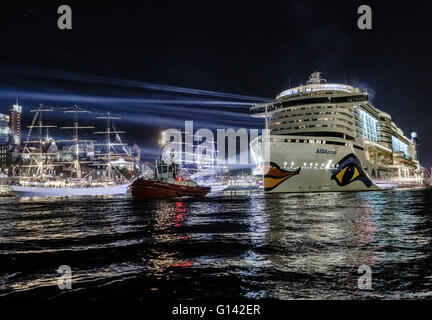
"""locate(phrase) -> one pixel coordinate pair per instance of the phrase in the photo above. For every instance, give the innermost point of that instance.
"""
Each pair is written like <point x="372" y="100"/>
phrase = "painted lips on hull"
<point x="274" y="176"/>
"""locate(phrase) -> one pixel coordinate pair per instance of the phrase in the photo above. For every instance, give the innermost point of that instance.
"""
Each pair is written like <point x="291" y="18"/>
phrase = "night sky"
<point x="158" y="63"/>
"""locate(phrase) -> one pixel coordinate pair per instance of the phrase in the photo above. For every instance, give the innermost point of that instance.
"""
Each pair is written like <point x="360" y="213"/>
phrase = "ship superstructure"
<point x="329" y="137"/>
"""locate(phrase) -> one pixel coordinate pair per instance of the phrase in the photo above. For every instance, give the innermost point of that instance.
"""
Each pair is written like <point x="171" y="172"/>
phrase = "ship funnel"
<point x="315" y="78"/>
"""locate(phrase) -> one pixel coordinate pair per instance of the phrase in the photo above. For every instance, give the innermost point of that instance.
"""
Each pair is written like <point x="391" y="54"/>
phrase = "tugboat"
<point x="169" y="183"/>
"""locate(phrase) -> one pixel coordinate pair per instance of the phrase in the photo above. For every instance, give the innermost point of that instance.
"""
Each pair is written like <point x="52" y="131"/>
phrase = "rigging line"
<point x="30" y="130"/>
<point x="118" y="138"/>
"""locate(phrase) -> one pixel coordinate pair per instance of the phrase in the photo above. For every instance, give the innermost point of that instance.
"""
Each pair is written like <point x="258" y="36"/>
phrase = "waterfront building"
<point x="15" y="115"/>
<point x="5" y="136"/>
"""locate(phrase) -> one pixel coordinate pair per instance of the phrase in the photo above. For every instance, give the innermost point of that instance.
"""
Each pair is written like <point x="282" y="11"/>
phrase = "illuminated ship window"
<point x="369" y="126"/>
<point x="400" y="146"/>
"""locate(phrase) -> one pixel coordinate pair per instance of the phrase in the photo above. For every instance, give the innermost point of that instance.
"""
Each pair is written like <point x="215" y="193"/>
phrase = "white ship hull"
<point x="307" y="167"/>
<point x="34" y="191"/>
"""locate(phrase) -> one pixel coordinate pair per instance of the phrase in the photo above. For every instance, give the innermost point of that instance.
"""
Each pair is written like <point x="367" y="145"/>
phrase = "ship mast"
<point x="75" y="138"/>
<point x="39" y="160"/>
<point x="109" y="154"/>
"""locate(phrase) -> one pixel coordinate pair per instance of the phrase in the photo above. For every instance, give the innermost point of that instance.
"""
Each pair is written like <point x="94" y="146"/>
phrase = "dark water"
<point x="289" y="246"/>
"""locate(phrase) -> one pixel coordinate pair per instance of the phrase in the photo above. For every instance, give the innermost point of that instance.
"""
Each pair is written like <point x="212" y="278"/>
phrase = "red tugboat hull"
<point x="149" y="189"/>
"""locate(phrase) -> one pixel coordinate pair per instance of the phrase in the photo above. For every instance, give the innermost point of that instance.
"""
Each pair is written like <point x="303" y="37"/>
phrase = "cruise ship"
<point x="329" y="137"/>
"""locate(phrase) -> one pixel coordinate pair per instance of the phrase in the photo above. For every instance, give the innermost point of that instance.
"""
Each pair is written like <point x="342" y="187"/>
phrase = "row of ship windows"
<point x="314" y="141"/>
<point x="385" y="134"/>
<point x="365" y="126"/>
<point x="372" y="129"/>
<point x="315" y="119"/>
<point x="365" y="131"/>
<point x="368" y="133"/>
<point x="284" y="115"/>
<point x="313" y="126"/>
<point x="313" y="108"/>
<point x="368" y="127"/>
<point x="319" y="100"/>
<point x="311" y="166"/>
<point x="374" y="139"/>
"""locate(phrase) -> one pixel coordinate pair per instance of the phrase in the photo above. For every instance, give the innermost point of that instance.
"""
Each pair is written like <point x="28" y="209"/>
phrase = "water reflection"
<point x="252" y="245"/>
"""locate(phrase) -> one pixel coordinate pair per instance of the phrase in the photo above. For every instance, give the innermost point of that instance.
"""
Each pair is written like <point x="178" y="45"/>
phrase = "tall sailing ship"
<point x="45" y="171"/>
<point x="329" y="137"/>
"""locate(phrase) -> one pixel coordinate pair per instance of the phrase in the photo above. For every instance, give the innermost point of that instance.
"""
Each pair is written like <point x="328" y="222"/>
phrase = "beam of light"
<point x="83" y="78"/>
<point x="135" y="107"/>
<point x="156" y="104"/>
<point x="159" y="121"/>
<point x="11" y="93"/>
<point x="143" y="112"/>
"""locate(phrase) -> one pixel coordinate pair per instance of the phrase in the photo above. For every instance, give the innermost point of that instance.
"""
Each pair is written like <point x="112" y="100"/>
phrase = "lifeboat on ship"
<point x="169" y="183"/>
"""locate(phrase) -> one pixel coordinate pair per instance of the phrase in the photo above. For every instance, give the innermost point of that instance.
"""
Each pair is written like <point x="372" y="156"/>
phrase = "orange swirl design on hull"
<point x="274" y="176"/>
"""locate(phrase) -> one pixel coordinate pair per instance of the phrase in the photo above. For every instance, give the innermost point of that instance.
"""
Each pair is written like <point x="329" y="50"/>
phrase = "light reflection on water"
<point x="282" y="246"/>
